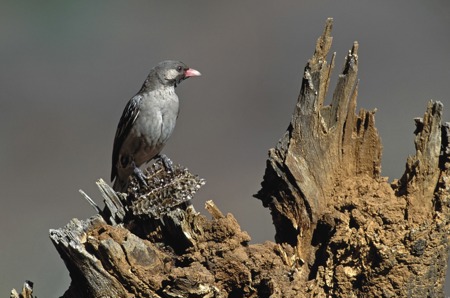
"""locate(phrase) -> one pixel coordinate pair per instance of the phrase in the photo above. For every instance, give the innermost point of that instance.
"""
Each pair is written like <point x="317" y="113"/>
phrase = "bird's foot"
<point x="168" y="164"/>
<point x="139" y="176"/>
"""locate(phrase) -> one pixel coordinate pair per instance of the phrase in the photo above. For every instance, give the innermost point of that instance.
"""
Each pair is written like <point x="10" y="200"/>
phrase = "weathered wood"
<point x="110" y="260"/>
<point x="321" y="145"/>
<point x="27" y="291"/>
<point x="213" y="210"/>
<point x="89" y="271"/>
<point x="418" y="183"/>
<point x="341" y="229"/>
<point x="359" y="235"/>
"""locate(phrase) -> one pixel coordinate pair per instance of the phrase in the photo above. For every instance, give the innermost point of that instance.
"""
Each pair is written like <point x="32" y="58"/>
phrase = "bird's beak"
<point x="190" y="72"/>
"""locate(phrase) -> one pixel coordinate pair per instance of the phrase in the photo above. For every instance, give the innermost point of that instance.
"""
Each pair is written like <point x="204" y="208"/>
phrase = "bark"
<point x="341" y="229"/>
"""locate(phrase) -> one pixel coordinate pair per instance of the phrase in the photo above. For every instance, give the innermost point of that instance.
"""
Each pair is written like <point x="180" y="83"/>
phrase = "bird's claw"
<point x="140" y="176"/>
<point x="168" y="164"/>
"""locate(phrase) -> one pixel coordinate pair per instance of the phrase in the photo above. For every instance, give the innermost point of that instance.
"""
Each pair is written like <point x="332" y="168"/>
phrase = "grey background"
<point x="67" y="69"/>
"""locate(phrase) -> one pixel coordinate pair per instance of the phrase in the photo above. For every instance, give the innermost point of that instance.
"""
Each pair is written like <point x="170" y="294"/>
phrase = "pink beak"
<point x="190" y="72"/>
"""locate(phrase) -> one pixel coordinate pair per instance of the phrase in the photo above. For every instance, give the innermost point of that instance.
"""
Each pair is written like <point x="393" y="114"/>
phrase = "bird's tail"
<point x="120" y="185"/>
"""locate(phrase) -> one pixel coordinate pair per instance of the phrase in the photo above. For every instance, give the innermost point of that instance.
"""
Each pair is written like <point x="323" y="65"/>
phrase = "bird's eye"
<point x="179" y="68"/>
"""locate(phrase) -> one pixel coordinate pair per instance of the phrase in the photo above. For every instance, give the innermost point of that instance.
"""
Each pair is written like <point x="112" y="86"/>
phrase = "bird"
<point x="147" y="122"/>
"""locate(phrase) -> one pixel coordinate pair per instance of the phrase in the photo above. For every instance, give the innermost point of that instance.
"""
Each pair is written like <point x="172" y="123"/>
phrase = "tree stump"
<point x="341" y="229"/>
<point x="358" y="235"/>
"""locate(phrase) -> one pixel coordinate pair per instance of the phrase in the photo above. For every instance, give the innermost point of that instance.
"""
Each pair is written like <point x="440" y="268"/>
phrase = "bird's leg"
<point x="139" y="175"/>
<point x="166" y="162"/>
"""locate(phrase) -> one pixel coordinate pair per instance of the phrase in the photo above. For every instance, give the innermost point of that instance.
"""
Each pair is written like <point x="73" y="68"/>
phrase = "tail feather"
<point x="120" y="185"/>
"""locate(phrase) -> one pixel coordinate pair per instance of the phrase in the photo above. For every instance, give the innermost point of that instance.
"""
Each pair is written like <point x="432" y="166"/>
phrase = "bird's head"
<point x="171" y="73"/>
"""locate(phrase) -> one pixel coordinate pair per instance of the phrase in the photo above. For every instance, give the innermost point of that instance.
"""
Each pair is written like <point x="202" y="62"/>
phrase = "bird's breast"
<point x="158" y="117"/>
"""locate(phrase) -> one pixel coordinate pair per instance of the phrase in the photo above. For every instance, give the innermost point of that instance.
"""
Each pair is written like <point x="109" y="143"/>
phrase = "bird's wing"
<point x="129" y="116"/>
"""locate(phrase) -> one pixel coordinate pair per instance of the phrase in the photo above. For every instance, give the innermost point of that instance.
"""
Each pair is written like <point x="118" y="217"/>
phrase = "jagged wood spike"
<point x="90" y="201"/>
<point x="27" y="291"/>
<point x="114" y="205"/>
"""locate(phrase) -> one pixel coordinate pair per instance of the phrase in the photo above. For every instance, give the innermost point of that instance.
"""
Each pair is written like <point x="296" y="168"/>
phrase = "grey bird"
<point x="147" y="122"/>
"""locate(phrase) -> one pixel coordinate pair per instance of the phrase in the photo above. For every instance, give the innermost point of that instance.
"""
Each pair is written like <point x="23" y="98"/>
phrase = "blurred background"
<point x="67" y="69"/>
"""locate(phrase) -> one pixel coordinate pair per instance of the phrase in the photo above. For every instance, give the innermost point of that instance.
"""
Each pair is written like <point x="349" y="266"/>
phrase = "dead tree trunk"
<point x="358" y="235"/>
<point x="341" y="229"/>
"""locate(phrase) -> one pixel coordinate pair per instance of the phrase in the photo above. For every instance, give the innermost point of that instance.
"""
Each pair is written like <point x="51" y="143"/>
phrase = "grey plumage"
<point x="148" y="121"/>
